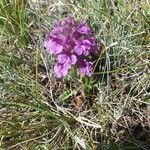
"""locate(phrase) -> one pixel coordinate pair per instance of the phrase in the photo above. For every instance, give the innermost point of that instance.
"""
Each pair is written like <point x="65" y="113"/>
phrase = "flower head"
<point x="70" y="41"/>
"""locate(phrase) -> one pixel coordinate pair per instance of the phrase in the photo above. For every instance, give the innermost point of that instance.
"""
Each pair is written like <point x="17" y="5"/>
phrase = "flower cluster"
<point x="71" y="42"/>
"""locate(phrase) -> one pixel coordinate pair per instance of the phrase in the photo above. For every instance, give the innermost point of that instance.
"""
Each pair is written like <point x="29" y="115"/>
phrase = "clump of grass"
<point x="13" y="22"/>
<point x="101" y="112"/>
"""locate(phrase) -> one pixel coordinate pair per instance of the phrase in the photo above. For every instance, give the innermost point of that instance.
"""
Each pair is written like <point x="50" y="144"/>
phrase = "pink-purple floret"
<point x="71" y="42"/>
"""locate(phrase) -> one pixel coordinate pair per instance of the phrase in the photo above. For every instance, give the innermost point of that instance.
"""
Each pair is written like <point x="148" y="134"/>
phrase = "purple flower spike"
<point x="71" y="41"/>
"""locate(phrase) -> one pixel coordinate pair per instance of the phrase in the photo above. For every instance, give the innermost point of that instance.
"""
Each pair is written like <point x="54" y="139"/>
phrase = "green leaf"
<point x="65" y="95"/>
